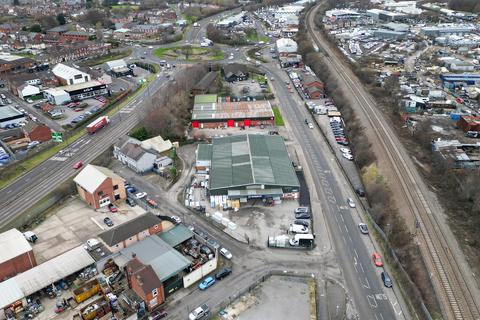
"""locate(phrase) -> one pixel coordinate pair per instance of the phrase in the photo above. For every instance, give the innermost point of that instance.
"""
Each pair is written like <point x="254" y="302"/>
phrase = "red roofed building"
<point x="469" y="123"/>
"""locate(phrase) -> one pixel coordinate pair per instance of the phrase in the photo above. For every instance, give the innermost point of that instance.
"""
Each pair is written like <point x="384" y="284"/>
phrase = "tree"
<point x="98" y="30"/>
<point x="93" y="16"/>
<point x="61" y="19"/>
<point x="35" y="28"/>
<point x="48" y="22"/>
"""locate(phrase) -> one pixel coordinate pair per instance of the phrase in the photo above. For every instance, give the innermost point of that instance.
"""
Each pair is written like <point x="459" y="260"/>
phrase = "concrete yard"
<point x="72" y="224"/>
<point x="279" y="298"/>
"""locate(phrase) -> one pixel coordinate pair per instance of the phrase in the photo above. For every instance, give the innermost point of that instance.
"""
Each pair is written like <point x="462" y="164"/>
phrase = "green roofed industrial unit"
<point x="247" y="167"/>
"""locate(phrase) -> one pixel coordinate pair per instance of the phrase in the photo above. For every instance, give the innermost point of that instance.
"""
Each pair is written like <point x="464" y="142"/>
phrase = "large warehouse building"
<point x="248" y="167"/>
<point x="210" y="113"/>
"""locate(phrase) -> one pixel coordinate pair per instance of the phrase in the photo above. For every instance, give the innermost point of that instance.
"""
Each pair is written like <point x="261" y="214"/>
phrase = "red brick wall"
<point x="148" y="296"/>
<point x="17" y="265"/>
<point x="253" y="123"/>
<point x="155" y="229"/>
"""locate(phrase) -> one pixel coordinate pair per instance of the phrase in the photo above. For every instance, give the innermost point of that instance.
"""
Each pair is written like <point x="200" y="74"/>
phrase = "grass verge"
<point x="312" y="286"/>
<point x="278" y="117"/>
<point x="109" y="57"/>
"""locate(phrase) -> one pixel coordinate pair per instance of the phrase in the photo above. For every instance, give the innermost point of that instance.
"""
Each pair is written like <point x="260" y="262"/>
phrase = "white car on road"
<point x="345" y="150"/>
<point x="351" y="203"/>
<point x="227" y="254"/>
<point x="347" y="156"/>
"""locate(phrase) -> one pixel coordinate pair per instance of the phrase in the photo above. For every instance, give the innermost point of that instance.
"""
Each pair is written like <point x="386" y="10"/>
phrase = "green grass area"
<point x="109" y="57"/>
<point x="259" y="78"/>
<point x="278" y="116"/>
<point x="194" y="53"/>
<point x="251" y="55"/>
<point x="125" y="6"/>
<point x="190" y="19"/>
<point x="25" y="55"/>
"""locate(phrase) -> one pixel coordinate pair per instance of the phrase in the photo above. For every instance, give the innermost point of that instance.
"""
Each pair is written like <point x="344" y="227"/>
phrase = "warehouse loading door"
<point x="231" y="123"/>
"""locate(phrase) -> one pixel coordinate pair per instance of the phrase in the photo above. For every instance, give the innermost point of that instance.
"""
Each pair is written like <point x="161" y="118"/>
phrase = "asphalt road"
<point x="35" y="184"/>
<point x="361" y="277"/>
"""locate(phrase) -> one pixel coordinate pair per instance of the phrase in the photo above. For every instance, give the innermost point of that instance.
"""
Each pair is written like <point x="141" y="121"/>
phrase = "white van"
<point x="296" y="228"/>
<point x="303" y="240"/>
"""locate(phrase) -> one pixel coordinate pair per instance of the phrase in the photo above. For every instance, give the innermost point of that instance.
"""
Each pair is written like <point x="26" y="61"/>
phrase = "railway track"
<point x="456" y="297"/>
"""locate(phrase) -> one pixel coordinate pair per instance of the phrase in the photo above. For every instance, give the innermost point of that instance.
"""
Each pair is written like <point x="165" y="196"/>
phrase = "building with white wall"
<point x="69" y="76"/>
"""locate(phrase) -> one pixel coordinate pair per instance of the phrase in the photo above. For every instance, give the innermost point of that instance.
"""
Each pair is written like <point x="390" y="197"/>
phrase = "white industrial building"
<point x="286" y="46"/>
<point x="27" y="90"/>
<point x="56" y="96"/>
<point x="69" y="76"/>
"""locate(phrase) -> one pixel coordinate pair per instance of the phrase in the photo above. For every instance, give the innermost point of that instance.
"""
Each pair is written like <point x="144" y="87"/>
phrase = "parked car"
<point x="296" y="228"/>
<point x="347" y="156"/>
<point x="227" y="254"/>
<point x="377" y="259"/>
<point x="351" y="203"/>
<point x="156" y="315"/>
<point x="206" y="283"/>
<point x="213" y="243"/>
<point x="345" y="150"/>
<point x="302" y="215"/>
<point x="176" y="219"/>
<point x="108" y="222"/>
<point x="131" y="189"/>
<point x="112" y="208"/>
<point x="131" y="202"/>
<point x="205" y="250"/>
<point x="386" y="279"/>
<point x="360" y="192"/>
<point x="201" y="234"/>
<point x="301" y="222"/>
<point x="301" y="210"/>
<point x="363" y="228"/>
<point x="78" y="165"/>
<point x="223" y="273"/>
<point x="199" y="313"/>
<point x="141" y="195"/>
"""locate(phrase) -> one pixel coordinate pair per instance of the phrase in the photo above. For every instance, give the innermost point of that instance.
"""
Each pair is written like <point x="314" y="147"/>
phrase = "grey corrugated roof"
<point x="250" y="159"/>
<point x="153" y="251"/>
<point x="129" y="228"/>
<point x="204" y="152"/>
<point x="176" y="235"/>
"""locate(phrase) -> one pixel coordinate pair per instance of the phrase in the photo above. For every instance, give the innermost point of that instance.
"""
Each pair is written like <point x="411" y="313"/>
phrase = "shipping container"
<point x="86" y="291"/>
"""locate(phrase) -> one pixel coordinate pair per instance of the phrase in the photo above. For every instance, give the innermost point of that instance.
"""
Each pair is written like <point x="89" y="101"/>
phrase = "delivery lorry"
<point x="98" y="124"/>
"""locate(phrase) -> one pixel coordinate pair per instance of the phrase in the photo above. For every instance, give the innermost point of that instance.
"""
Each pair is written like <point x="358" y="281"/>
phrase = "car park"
<point x="227" y="254"/>
<point x="78" y="165"/>
<point x="351" y="203"/>
<point x="363" y="228"/>
<point x="206" y="283"/>
<point x="108" y="222"/>
<point x="112" y="208"/>
<point x="176" y="219"/>
<point x="141" y="195"/>
<point x="224" y="272"/>
<point x="387" y="281"/>
<point x="377" y="259"/>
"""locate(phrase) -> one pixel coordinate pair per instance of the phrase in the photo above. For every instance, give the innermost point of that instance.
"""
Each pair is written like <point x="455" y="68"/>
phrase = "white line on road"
<point x="341" y="216"/>
<point x="361" y="267"/>
<point x="345" y="226"/>
<point x="356" y="254"/>
<point x="98" y="224"/>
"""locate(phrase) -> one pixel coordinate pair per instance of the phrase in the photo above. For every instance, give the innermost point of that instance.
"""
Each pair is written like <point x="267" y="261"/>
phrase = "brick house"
<point x="131" y="232"/>
<point x="73" y="36"/>
<point x="143" y="280"/>
<point x="16" y="255"/>
<point x="99" y="186"/>
<point x="312" y="81"/>
<point x="37" y="132"/>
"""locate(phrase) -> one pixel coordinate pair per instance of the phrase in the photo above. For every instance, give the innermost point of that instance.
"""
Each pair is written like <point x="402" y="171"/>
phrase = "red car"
<point x="112" y="208"/>
<point x="78" y="165"/>
<point x="377" y="260"/>
<point x="152" y="203"/>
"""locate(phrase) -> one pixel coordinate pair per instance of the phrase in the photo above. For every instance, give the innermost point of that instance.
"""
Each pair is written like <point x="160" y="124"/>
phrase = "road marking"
<point x="393" y="305"/>
<point x="343" y="220"/>
<point x="345" y="226"/>
<point x="355" y="251"/>
<point x="58" y="158"/>
<point x="98" y="224"/>
<point x="367" y="284"/>
<point x="371" y="300"/>
<point x="361" y="267"/>
<point x="355" y="264"/>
